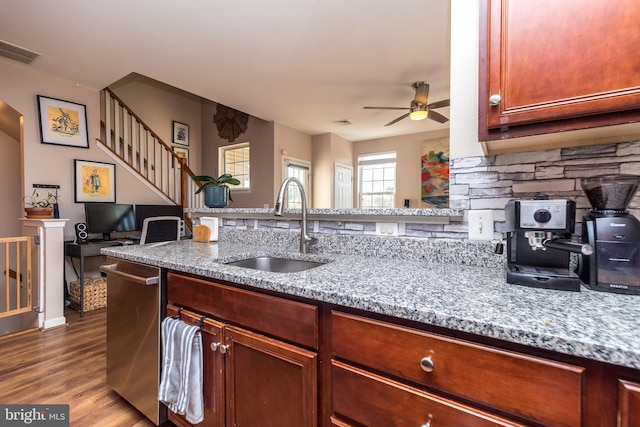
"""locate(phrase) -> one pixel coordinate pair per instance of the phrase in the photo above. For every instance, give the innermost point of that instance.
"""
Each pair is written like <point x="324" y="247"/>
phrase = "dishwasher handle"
<point x="111" y="269"/>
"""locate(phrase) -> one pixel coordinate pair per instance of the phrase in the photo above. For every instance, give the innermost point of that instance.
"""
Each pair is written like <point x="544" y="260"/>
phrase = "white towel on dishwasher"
<point x="181" y="381"/>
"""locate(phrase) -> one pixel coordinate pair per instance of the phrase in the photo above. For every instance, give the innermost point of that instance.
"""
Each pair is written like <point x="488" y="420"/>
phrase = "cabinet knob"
<point x="495" y="99"/>
<point x="427" y="364"/>
<point x="426" y="425"/>
<point x="219" y="346"/>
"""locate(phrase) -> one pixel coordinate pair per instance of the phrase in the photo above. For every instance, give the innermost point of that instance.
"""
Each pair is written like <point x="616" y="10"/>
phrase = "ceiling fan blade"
<point x="422" y="92"/>
<point x="434" y="115"/>
<point x="404" y="116"/>
<point x="385" y="108"/>
<point x="439" y="104"/>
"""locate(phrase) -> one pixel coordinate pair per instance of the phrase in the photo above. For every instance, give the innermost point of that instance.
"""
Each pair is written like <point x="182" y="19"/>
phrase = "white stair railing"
<point x="133" y="142"/>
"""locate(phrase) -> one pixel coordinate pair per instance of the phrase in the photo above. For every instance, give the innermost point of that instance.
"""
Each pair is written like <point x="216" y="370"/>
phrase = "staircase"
<point x="134" y="145"/>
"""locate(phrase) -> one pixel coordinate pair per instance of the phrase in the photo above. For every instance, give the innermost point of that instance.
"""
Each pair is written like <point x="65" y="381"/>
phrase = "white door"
<point x="343" y="187"/>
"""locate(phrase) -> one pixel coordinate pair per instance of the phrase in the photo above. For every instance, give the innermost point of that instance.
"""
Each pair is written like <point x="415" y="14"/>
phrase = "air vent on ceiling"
<point x="17" y="53"/>
<point x="344" y="122"/>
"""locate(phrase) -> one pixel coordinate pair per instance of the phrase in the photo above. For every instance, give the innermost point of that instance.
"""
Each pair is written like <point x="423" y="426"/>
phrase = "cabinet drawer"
<point x="538" y="389"/>
<point x="288" y="320"/>
<point x="373" y="400"/>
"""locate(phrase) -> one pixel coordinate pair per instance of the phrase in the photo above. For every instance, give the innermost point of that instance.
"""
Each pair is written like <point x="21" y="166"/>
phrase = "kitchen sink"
<point x="275" y="264"/>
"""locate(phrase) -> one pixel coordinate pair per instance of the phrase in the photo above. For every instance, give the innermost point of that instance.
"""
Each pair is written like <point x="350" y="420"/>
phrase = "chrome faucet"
<point x="305" y="241"/>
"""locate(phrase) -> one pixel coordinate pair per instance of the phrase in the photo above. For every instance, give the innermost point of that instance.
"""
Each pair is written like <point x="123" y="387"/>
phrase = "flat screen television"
<point x="147" y="211"/>
<point x="107" y="218"/>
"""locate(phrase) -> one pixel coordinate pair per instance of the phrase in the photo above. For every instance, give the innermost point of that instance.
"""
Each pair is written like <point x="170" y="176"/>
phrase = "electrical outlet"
<point x="386" y="228"/>
<point x="480" y="225"/>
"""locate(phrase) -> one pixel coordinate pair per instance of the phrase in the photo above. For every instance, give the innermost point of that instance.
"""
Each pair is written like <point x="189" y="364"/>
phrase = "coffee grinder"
<point x="614" y="234"/>
<point x="539" y="243"/>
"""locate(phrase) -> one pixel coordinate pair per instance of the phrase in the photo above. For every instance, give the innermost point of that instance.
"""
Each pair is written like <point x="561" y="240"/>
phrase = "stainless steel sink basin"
<point x="275" y="264"/>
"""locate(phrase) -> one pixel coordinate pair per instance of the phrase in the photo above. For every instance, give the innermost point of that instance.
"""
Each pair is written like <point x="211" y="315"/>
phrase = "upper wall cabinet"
<point x="553" y="65"/>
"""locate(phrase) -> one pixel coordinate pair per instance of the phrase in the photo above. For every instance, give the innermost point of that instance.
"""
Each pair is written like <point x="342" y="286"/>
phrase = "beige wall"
<point x="408" y="150"/>
<point x="322" y="172"/>
<point x="10" y="173"/>
<point x="260" y="135"/>
<point x="292" y="143"/>
<point x="327" y="150"/>
<point x="53" y="164"/>
<point x="158" y="105"/>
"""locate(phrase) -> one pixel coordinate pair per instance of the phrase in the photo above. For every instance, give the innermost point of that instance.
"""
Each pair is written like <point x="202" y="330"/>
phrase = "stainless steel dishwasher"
<point x="133" y="335"/>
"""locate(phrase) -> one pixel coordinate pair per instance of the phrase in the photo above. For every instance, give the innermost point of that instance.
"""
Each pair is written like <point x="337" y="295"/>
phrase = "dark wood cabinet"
<point x="556" y="65"/>
<point x="628" y="403"/>
<point x="547" y="391"/>
<point x="250" y="378"/>
<point x="278" y="360"/>
<point x="268" y="382"/>
<point x="374" y="400"/>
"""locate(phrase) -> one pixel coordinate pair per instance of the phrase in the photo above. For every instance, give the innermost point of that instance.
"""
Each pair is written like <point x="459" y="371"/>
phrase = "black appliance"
<point x="539" y="243"/>
<point x="614" y="234"/>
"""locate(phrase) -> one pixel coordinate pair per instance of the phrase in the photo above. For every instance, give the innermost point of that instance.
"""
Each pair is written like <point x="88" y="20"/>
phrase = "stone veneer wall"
<point x="489" y="182"/>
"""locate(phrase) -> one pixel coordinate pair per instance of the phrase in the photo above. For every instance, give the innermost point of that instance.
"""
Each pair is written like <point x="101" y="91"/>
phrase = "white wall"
<point x="464" y="79"/>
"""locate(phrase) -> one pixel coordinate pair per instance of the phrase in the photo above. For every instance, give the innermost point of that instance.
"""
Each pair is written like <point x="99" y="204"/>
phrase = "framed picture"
<point x="183" y="153"/>
<point x="94" y="181"/>
<point x="62" y="122"/>
<point x="180" y="133"/>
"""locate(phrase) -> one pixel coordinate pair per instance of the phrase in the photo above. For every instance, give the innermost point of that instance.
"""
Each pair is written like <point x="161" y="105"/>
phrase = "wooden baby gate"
<point x="15" y="289"/>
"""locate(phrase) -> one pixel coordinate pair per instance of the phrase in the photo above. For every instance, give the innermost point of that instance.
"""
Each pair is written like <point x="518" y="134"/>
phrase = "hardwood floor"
<point x="65" y="365"/>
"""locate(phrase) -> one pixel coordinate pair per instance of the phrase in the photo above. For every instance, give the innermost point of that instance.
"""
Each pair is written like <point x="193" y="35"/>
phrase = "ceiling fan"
<point x="419" y="109"/>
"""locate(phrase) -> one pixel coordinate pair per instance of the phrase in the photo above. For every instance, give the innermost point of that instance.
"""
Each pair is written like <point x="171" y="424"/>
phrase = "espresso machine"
<point x="539" y="243"/>
<point x="614" y="234"/>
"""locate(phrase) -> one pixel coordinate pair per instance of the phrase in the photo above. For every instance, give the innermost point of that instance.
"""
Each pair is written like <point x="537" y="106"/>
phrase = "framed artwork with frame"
<point x="94" y="182"/>
<point x="62" y="122"/>
<point x="180" y="133"/>
<point x="183" y="153"/>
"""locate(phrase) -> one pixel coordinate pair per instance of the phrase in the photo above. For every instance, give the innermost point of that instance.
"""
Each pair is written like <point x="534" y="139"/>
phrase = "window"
<point x="377" y="180"/>
<point x="297" y="169"/>
<point x="235" y="160"/>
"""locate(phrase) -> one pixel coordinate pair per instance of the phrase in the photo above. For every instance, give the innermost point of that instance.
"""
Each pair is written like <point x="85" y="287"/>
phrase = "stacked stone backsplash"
<point x="489" y="182"/>
<point x="476" y="183"/>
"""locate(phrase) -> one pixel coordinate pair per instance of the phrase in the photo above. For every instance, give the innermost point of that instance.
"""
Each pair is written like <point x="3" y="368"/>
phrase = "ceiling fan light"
<point x="418" y="115"/>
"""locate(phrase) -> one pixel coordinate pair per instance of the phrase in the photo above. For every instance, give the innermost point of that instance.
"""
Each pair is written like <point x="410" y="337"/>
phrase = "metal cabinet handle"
<point x="427" y="364"/>
<point x="426" y="425"/>
<point x="219" y="346"/>
<point x="495" y="99"/>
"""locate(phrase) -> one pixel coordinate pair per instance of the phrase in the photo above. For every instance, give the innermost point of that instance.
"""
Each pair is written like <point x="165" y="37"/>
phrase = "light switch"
<point x="481" y="225"/>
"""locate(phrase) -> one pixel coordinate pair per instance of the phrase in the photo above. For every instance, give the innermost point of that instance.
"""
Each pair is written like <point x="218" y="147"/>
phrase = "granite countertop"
<point x="595" y="325"/>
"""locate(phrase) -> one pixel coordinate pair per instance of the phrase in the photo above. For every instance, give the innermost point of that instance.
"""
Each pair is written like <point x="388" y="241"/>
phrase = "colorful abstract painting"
<point x="435" y="174"/>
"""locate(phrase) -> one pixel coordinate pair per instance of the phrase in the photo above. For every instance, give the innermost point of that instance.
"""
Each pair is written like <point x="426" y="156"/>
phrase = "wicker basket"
<point x="95" y="292"/>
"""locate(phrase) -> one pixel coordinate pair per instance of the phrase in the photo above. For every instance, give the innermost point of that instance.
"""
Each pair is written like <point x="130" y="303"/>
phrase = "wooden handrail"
<point x="129" y="138"/>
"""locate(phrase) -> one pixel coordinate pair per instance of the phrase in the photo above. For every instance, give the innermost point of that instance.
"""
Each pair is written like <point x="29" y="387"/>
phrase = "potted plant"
<point x="40" y="207"/>
<point x="216" y="190"/>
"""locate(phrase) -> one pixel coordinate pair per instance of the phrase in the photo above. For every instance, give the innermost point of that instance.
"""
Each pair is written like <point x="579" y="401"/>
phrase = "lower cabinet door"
<point x="213" y="370"/>
<point x="369" y="399"/>
<point x="628" y="404"/>
<point x="269" y="383"/>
